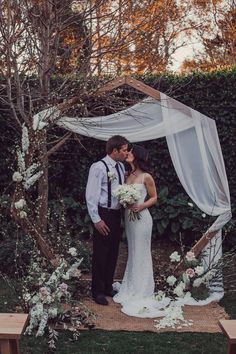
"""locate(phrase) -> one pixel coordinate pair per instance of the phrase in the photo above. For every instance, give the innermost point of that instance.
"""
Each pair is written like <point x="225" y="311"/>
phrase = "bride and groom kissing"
<point x="137" y="288"/>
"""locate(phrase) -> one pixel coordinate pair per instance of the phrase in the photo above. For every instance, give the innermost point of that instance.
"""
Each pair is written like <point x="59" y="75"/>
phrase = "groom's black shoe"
<point x="111" y="293"/>
<point x="100" y="299"/>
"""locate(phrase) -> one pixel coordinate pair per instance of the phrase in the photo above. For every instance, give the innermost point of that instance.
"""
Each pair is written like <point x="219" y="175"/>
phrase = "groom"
<point x="104" y="210"/>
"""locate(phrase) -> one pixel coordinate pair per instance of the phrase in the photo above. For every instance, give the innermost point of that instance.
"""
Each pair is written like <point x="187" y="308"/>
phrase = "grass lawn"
<point x="97" y="341"/>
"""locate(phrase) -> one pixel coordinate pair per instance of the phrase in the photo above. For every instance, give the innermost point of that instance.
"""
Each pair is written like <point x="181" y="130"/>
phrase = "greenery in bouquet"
<point x="48" y="296"/>
<point x="194" y="279"/>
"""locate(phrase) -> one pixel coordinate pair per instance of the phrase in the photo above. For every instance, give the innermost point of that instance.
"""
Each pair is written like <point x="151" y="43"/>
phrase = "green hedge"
<point x="212" y="94"/>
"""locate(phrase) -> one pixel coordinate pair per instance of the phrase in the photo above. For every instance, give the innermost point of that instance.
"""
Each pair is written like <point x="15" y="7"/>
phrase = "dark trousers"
<point x="105" y="252"/>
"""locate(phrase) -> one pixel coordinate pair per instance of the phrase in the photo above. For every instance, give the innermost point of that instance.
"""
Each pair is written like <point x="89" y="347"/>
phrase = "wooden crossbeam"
<point x="204" y="240"/>
<point x="130" y="81"/>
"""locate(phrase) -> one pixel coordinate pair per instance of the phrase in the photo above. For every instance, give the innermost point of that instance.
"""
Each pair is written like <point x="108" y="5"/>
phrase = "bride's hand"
<point x="136" y="207"/>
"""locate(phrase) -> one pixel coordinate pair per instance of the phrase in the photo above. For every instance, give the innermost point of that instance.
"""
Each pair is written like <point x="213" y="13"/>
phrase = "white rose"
<point x="20" y="204"/>
<point x="175" y="257"/>
<point x="171" y="280"/>
<point x="17" y="177"/>
<point x="22" y="214"/>
<point x="190" y="256"/>
<point x="72" y="251"/>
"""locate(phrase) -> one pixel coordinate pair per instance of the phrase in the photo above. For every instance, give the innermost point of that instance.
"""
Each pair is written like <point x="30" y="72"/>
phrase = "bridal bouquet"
<point x="127" y="194"/>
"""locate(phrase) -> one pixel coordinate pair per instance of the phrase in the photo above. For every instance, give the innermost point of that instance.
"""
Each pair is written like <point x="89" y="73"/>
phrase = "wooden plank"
<point x="140" y="86"/>
<point x="229" y="328"/>
<point x="130" y="81"/>
<point x="199" y="246"/>
<point x="111" y="85"/>
<point x="12" y="325"/>
<point x="204" y="240"/>
<point x="5" y="347"/>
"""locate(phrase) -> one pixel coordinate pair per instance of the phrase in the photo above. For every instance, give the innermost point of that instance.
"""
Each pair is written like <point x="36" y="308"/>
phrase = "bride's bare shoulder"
<point x="148" y="178"/>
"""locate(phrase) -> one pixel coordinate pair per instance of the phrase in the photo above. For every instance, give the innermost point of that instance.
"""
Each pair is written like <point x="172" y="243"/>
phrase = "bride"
<point x="136" y="292"/>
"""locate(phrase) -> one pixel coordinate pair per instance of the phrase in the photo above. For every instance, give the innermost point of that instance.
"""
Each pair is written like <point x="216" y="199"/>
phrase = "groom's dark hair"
<point x="115" y="142"/>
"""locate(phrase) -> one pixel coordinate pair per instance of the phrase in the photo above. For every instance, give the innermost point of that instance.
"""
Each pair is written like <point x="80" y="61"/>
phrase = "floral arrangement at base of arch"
<point x="48" y="297"/>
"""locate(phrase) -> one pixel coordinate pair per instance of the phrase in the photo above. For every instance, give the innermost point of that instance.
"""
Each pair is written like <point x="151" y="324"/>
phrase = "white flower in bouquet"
<point x="128" y="194"/>
<point x="190" y="256"/>
<point x="175" y="257"/>
<point x="171" y="280"/>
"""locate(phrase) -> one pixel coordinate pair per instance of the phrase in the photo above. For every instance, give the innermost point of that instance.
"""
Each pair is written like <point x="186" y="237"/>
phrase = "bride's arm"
<point x="152" y="192"/>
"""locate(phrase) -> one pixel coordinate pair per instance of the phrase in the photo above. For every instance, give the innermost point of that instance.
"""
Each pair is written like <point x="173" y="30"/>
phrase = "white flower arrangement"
<point x="52" y="301"/>
<point x="111" y="175"/>
<point x="128" y="194"/>
<point x="26" y="175"/>
<point x="194" y="279"/>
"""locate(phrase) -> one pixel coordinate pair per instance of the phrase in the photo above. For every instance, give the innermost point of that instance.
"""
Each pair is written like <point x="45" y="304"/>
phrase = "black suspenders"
<point x="108" y="185"/>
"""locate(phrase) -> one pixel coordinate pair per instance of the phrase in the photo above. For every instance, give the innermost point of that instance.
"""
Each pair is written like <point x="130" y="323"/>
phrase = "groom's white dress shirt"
<point x="97" y="188"/>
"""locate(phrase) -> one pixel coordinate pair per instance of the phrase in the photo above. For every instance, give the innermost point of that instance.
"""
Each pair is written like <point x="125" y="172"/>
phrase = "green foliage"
<point x="177" y="216"/>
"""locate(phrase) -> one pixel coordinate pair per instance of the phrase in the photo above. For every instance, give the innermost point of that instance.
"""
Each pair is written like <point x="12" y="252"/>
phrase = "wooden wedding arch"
<point x="149" y="91"/>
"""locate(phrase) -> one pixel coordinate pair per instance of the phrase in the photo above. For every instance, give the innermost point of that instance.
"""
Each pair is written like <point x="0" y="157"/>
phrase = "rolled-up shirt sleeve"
<point x="93" y="191"/>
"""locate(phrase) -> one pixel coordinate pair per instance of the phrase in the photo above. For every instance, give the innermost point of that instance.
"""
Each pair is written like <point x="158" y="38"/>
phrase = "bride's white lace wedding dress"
<point x="136" y="293"/>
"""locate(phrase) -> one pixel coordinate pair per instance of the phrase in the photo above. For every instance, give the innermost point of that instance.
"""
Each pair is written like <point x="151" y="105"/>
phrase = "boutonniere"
<point x="111" y="176"/>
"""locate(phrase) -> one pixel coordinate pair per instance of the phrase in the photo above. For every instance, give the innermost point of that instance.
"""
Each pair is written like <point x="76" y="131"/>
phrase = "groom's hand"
<point x="102" y="228"/>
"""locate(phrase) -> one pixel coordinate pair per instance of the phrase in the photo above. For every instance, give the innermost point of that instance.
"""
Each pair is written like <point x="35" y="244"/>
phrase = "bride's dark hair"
<point x="141" y="158"/>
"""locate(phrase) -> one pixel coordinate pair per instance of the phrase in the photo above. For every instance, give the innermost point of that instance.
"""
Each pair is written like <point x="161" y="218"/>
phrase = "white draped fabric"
<point x="193" y="145"/>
